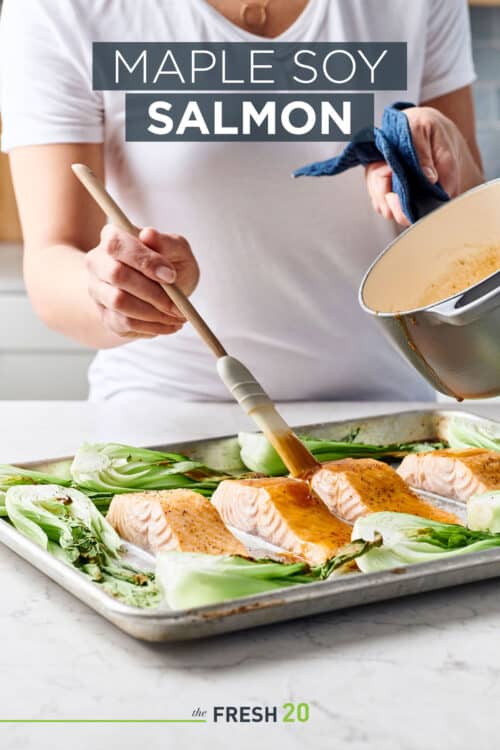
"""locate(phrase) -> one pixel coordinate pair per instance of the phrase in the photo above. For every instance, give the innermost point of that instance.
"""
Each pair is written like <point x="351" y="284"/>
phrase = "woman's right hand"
<point x="125" y="277"/>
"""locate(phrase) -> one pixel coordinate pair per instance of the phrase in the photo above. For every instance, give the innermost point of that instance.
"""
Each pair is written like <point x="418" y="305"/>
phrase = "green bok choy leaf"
<point x="464" y="433"/>
<point x="410" y="539"/>
<point x="10" y="476"/>
<point x="259" y="455"/>
<point x="114" y="468"/>
<point x="67" y="524"/>
<point x="194" y="580"/>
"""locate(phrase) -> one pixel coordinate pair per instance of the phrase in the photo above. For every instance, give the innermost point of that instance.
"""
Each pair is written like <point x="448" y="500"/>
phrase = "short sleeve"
<point x="448" y="55"/>
<point x="46" y="91"/>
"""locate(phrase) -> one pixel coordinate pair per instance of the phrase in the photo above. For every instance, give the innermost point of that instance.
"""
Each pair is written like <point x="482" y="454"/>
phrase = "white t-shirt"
<point x="281" y="260"/>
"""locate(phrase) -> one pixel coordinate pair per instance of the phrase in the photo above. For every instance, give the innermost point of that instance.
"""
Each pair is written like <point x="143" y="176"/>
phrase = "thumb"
<point x="151" y="238"/>
<point x="160" y="244"/>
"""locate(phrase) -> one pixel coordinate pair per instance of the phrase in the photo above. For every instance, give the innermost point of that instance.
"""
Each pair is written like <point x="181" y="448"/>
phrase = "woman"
<point x="278" y="261"/>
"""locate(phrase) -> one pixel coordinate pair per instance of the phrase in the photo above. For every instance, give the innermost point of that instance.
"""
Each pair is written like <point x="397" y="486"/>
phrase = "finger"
<point x="131" y="335"/>
<point x="385" y="211"/>
<point x="379" y="183"/>
<point x="124" y="325"/>
<point x="172" y="247"/>
<point x="380" y="206"/>
<point x="177" y="251"/>
<point x="382" y="169"/>
<point x="122" y="247"/>
<point x="397" y="212"/>
<point x="114" y="298"/>
<point x="121" y="276"/>
<point x="382" y="209"/>
<point x="379" y="175"/>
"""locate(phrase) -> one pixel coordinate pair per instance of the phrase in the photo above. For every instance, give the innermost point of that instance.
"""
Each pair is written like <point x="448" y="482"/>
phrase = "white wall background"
<point x="35" y="363"/>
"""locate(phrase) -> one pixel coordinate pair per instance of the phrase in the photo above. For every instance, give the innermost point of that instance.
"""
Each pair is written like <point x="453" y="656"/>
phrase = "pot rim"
<point x="435" y="307"/>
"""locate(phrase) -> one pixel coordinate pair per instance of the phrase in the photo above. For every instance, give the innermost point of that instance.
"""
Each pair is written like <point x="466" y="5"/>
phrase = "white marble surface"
<point x="417" y="673"/>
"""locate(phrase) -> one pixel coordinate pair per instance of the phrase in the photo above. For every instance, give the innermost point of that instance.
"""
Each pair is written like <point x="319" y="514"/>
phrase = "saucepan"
<point x="436" y="292"/>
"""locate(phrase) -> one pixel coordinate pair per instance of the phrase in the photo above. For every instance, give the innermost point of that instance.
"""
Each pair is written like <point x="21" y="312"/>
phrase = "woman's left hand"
<point x="444" y="156"/>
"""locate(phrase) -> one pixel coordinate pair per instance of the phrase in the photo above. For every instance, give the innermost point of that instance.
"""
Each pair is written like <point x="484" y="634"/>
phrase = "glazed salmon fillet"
<point x="179" y="520"/>
<point x="283" y="512"/>
<point x="455" y="474"/>
<point x="352" y="488"/>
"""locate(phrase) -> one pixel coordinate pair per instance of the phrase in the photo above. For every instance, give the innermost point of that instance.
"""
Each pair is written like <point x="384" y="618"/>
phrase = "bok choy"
<point x="410" y="539"/>
<point x="10" y="476"/>
<point x="464" y="433"/>
<point x="483" y="512"/>
<point x="67" y="524"/>
<point x="194" y="580"/>
<point x="259" y="455"/>
<point x="113" y="468"/>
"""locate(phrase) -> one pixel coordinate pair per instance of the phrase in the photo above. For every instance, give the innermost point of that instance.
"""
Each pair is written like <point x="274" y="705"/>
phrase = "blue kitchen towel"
<point x="393" y="143"/>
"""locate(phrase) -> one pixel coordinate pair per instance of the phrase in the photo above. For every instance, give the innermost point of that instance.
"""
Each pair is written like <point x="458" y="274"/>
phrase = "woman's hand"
<point x="125" y="276"/>
<point x="444" y="156"/>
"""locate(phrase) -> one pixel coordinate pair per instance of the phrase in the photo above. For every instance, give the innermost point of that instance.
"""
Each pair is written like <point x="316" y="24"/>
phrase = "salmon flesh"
<point x="179" y="520"/>
<point x="454" y="474"/>
<point x="352" y="488"/>
<point x="284" y="512"/>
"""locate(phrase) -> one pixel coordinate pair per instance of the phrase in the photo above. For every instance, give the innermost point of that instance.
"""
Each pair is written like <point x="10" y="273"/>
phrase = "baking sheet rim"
<point x="88" y="592"/>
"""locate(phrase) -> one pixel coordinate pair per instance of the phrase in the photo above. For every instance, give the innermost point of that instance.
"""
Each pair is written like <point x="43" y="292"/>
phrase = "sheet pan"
<point x="337" y="593"/>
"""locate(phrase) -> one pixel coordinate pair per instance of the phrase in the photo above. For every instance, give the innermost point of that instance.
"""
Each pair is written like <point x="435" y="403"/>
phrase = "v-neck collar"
<point x="304" y="26"/>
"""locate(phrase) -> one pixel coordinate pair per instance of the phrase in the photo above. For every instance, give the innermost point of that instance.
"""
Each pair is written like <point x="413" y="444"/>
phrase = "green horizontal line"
<point x="103" y="721"/>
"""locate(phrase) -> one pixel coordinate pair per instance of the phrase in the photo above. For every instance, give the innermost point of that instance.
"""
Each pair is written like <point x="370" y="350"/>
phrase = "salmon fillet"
<point x="455" y="474"/>
<point x="179" y="520"/>
<point x="352" y="488"/>
<point x="283" y="512"/>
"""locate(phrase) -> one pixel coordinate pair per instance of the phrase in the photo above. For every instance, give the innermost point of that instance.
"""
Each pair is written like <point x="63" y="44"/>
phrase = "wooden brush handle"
<point x="237" y="378"/>
<point x="101" y="196"/>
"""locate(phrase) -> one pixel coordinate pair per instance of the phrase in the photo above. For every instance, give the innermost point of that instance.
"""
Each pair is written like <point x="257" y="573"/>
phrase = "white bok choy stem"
<point x="410" y="539"/>
<point x="194" y="579"/>
<point x="483" y="512"/>
<point x="66" y="523"/>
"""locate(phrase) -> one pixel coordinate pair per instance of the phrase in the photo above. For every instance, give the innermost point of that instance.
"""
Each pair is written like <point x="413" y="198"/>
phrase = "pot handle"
<point x="471" y="304"/>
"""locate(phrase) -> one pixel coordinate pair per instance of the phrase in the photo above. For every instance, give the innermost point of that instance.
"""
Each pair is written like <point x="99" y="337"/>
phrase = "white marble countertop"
<point x="402" y="675"/>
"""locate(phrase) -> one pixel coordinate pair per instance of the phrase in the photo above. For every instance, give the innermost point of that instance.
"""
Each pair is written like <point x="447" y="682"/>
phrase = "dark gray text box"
<point x="133" y="66"/>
